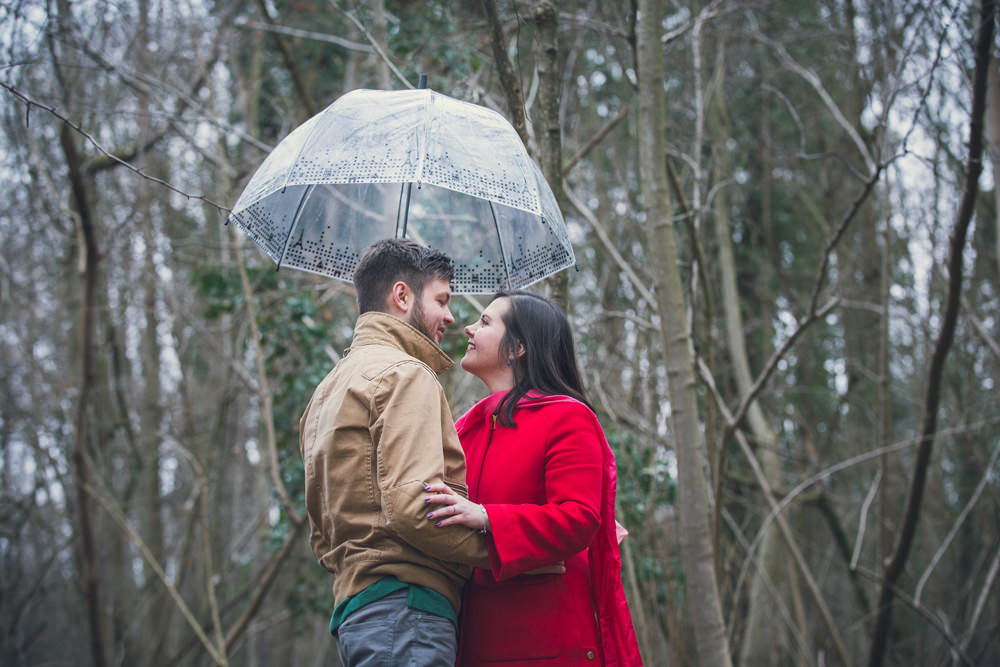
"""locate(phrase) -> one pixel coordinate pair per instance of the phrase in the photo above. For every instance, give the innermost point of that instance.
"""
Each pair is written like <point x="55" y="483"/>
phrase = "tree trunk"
<point x="548" y="130"/>
<point x="509" y="82"/>
<point x="763" y="637"/>
<point x="692" y="489"/>
<point x="974" y="167"/>
<point x="151" y="511"/>
<point x="85" y="333"/>
<point x="382" y="77"/>
<point x="993" y="132"/>
<point x="301" y="89"/>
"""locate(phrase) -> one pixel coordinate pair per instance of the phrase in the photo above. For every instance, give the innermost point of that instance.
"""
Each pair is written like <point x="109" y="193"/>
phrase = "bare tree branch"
<point x="805" y="484"/>
<point x="984" y="593"/>
<point x="922" y="611"/>
<point x="817" y="84"/>
<point x="112" y="509"/>
<point x="263" y="386"/>
<point x="510" y="84"/>
<point x="983" y="481"/>
<point x="289" y="60"/>
<point x="596" y="139"/>
<point x="266" y="579"/>
<point x="306" y="34"/>
<point x="76" y="128"/>
<point x="772" y="363"/>
<point x="974" y="167"/>
<point x="863" y="518"/>
<point x="783" y="526"/>
<point x="210" y="579"/>
<point x="977" y="324"/>
<point x="786" y="616"/>
<point x="602" y="234"/>
<point x="371" y="40"/>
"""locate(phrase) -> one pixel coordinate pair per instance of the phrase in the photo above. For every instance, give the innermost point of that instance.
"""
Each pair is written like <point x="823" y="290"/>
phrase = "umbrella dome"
<point x="414" y="164"/>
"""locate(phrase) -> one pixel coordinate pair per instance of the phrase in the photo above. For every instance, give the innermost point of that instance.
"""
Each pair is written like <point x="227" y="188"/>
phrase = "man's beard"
<point x="418" y="320"/>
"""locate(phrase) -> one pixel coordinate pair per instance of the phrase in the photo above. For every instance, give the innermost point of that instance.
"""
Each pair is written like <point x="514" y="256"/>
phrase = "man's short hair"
<point x="388" y="261"/>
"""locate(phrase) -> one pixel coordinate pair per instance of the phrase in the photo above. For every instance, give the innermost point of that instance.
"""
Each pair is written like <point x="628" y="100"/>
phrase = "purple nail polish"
<point x="431" y="515"/>
<point x="438" y="524"/>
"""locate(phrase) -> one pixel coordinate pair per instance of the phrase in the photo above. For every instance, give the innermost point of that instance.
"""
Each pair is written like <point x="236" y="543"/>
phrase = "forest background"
<point x="785" y="304"/>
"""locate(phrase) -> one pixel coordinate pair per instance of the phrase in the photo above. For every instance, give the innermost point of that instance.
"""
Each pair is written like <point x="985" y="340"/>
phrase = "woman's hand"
<point x="452" y="509"/>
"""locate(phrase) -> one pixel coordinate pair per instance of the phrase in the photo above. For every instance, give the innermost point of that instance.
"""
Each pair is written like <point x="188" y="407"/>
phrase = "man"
<point x="376" y="432"/>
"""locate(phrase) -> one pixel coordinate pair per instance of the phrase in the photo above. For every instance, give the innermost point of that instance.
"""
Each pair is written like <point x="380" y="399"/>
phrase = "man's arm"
<point x="412" y="426"/>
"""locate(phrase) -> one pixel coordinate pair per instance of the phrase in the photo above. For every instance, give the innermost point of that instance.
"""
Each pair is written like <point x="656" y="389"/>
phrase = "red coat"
<point x="549" y="487"/>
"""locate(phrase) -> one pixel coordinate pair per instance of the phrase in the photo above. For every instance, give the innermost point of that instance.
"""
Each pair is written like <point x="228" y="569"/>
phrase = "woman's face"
<point x="483" y="358"/>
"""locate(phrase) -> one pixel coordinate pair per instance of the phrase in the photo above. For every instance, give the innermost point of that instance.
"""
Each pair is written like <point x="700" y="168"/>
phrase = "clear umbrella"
<point x="411" y="164"/>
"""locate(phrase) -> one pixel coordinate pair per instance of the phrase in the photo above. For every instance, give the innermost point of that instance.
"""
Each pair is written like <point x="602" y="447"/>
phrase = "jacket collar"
<point x="486" y="407"/>
<point x="375" y="328"/>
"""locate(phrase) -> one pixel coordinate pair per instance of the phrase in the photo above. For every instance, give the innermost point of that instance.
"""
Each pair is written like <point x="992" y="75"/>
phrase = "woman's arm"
<point x="526" y="536"/>
<point x="464" y="512"/>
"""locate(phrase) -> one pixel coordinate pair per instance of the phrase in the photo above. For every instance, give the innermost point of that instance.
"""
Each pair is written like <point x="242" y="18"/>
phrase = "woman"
<point x="541" y="481"/>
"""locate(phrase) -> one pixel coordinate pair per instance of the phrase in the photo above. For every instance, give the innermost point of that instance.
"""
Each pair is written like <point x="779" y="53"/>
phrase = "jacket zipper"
<point x="482" y="463"/>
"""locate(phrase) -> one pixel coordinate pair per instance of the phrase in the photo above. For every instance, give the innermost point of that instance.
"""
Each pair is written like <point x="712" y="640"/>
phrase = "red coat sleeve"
<point x="527" y="536"/>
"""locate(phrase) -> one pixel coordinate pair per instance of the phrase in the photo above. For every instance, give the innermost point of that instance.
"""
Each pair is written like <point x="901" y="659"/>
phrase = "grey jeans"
<point x="387" y="633"/>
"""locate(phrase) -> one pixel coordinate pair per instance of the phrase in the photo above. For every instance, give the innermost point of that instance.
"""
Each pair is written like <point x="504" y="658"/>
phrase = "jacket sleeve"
<point x="416" y="444"/>
<point x="528" y="536"/>
<point x="313" y="511"/>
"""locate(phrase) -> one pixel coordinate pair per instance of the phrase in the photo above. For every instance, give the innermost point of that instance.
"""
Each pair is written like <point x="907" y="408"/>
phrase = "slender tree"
<point x="702" y="591"/>
<point x="932" y="397"/>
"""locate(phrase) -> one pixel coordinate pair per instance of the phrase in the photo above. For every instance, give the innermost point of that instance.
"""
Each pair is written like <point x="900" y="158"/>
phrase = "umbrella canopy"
<point x="411" y="164"/>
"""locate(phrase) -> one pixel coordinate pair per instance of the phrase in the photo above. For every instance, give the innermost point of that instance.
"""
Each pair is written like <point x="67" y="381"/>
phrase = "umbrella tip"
<point x="422" y="83"/>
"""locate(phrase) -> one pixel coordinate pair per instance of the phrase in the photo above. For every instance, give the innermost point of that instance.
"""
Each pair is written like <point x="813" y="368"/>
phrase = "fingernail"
<point x="427" y="500"/>
<point x="431" y="515"/>
<point x="438" y="524"/>
<point x="427" y="488"/>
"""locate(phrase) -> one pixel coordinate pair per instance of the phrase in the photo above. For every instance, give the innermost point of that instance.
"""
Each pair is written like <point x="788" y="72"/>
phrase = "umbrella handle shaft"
<point x="404" y="210"/>
<point x="405" y="207"/>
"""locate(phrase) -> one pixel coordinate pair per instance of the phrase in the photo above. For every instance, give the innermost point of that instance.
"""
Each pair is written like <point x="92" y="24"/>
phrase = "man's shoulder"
<point x="374" y="361"/>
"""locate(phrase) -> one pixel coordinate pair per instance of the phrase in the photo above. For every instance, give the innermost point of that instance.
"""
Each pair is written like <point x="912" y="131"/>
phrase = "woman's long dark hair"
<point x="548" y="364"/>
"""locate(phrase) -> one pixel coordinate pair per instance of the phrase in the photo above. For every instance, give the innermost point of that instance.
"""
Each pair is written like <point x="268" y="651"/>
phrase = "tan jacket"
<point x="377" y="431"/>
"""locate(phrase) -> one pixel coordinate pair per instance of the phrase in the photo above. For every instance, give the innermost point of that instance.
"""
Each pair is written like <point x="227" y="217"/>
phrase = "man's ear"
<point x="401" y="297"/>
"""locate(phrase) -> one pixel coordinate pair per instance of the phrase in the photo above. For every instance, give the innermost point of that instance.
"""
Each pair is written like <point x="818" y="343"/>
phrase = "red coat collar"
<point x="487" y="407"/>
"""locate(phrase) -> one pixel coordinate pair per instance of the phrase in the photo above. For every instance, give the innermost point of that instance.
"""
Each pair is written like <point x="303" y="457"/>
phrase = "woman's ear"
<point x="520" y="350"/>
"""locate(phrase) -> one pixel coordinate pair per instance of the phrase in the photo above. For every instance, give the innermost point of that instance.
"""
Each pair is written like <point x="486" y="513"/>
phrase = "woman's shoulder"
<point x="534" y="400"/>
<point x="556" y="409"/>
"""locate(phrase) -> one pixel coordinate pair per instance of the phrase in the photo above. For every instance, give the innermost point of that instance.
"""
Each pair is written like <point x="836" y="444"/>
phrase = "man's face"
<point x="430" y="313"/>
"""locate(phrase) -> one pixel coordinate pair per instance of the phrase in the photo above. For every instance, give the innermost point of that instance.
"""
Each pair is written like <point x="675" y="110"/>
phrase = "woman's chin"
<point x="471" y="367"/>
